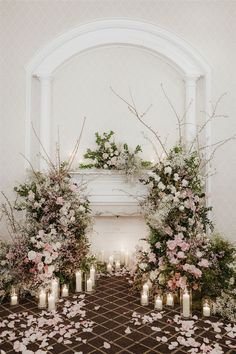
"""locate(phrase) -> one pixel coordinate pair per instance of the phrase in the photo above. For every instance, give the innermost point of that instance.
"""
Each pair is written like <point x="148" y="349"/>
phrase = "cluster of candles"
<point x="48" y="299"/>
<point x="185" y="301"/>
<point x="114" y="263"/>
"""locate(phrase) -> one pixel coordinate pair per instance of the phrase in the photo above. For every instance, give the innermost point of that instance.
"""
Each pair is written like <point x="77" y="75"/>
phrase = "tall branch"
<point x="77" y="144"/>
<point x="134" y="111"/>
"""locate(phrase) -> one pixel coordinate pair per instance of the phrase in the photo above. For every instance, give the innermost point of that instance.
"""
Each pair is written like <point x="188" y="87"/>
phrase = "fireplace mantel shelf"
<point x="110" y="192"/>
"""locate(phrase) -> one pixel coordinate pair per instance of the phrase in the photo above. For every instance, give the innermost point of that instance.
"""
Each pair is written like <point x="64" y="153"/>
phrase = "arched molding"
<point x="112" y="32"/>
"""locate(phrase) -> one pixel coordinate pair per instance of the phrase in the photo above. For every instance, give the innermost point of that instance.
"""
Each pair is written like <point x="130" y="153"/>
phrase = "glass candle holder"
<point x="144" y="300"/>
<point x="117" y="266"/>
<point x="186" y="303"/>
<point x="146" y="288"/>
<point x="55" y="288"/>
<point x="88" y="284"/>
<point x="14" y="297"/>
<point x="52" y="301"/>
<point x="92" y="275"/>
<point x="109" y="267"/>
<point x="206" y="308"/>
<point x="65" y="290"/>
<point x="170" y="299"/>
<point x="158" y="302"/>
<point x="78" y="281"/>
<point x="42" y="298"/>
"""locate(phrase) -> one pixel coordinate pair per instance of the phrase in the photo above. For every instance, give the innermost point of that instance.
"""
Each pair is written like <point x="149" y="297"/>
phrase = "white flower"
<point x="176" y="177"/>
<point x="31" y="196"/>
<point x="116" y="152"/>
<point x="168" y="170"/>
<point x="32" y="255"/>
<point x="181" y="208"/>
<point x="161" y="186"/>
<point x="105" y="155"/>
<point x="40" y="266"/>
<point x="58" y="245"/>
<point x="184" y="183"/>
<point x="143" y="266"/>
<point x="107" y="145"/>
<point x="48" y="260"/>
<point x="105" y="166"/>
<point x="153" y="274"/>
<point x="32" y="239"/>
<point x="81" y="208"/>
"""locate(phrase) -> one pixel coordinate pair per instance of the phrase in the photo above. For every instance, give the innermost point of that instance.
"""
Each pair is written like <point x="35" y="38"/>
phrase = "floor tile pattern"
<point x="111" y="308"/>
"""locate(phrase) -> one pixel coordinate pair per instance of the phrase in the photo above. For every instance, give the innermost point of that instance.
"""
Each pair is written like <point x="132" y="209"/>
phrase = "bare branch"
<point x="74" y="153"/>
<point x="175" y="112"/>
<point x="133" y="110"/>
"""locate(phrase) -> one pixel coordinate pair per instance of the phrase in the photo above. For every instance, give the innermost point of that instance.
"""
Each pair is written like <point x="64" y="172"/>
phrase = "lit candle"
<point x="126" y="259"/>
<point x="92" y="274"/>
<point x="186" y="304"/>
<point x="55" y="288"/>
<point x="65" y="291"/>
<point x="109" y="268"/>
<point x="42" y="299"/>
<point x="146" y="288"/>
<point x="169" y="300"/>
<point x="51" y="302"/>
<point x="144" y="298"/>
<point x="78" y="281"/>
<point x="89" y="285"/>
<point x="158" y="303"/>
<point x="117" y="265"/>
<point x="14" y="298"/>
<point x="206" y="310"/>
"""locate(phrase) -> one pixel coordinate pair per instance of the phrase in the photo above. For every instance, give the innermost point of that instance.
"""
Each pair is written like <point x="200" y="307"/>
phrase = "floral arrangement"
<point x="112" y="156"/>
<point x="48" y="225"/>
<point x="180" y="248"/>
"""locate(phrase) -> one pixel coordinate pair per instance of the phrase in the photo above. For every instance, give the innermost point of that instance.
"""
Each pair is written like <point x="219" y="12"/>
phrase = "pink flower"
<point x="60" y="201"/>
<point x="184" y="246"/>
<point x="181" y="283"/>
<point x="168" y="231"/>
<point x="204" y="263"/>
<point x="181" y="255"/>
<point x="73" y="188"/>
<point x="174" y="260"/>
<point x="158" y="245"/>
<point x="152" y="257"/>
<point x="197" y="273"/>
<point x="9" y="255"/>
<point x="48" y="247"/>
<point x="179" y="239"/>
<point x="171" y="244"/>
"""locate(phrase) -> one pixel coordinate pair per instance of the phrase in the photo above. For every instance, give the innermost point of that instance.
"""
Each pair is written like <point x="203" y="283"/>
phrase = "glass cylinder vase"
<point x="14" y="297"/>
<point x="144" y="299"/>
<point x="88" y="283"/>
<point x="206" y="307"/>
<point x="170" y="299"/>
<point x="186" y="302"/>
<point x="42" y="298"/>
<point x="158" y="302"/>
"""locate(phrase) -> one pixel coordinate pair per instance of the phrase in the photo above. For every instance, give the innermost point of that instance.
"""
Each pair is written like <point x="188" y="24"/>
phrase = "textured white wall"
<point x="27" y="26"/>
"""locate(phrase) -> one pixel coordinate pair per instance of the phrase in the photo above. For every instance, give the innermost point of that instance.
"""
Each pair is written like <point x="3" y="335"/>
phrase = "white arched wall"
<point x="186" y="60"/>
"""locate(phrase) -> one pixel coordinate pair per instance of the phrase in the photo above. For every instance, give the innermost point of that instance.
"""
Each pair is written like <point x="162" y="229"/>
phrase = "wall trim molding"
<point x="112" y="32"/>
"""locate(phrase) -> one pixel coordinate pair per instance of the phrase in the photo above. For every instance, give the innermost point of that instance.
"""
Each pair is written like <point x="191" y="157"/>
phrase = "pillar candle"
<point x="42" y="299"/>
<point x="14" y="299"/>
<point x="186" y="304"/>
<point x="64" y="291"/>
<point x="89" y="285"/>
<point x="92" y="274"/>
<point x="51" y="302"/>
<point x="109" y="268"/>
<point x="55" y="288"/>
<point x="206" y="310"/>
<point x="111" y="259"/>
<point x="117" y="265"/>
<point x="158" y="303"/>
<point x="169" y="300"/>
<point x="146" y="288"/>
<point x="144" y="298"/>
<point x="78" y="281"/>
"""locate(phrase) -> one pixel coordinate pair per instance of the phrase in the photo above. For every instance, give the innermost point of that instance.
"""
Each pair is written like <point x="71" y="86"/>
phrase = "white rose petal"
<point x="32" y="255"/>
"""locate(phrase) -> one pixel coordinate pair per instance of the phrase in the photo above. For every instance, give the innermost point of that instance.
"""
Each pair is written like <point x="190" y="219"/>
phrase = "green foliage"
<point x="222" y="273"/>
<point x="112" y="156"/>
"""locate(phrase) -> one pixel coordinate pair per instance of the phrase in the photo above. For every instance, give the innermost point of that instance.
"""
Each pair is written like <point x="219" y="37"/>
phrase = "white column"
<point x="45" y="118"/>
<point x="190" y="107"/>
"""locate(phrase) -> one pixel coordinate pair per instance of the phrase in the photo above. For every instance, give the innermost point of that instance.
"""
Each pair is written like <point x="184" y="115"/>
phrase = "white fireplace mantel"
<point x="110" y="192"/>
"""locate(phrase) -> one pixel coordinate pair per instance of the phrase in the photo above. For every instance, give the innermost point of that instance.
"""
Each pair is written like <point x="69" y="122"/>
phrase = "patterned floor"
<point x="111" y="308"/>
